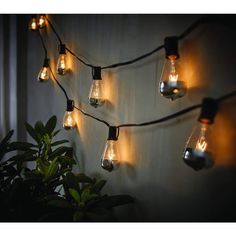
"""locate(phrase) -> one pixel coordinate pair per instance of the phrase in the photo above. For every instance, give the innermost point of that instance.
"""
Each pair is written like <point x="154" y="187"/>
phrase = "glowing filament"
<point x="202" y="143"/>
<point x="61" y="65"/>
<point x="43" y="74"/>
<point x="41" y="22"/>
<point x="173" y="76"/>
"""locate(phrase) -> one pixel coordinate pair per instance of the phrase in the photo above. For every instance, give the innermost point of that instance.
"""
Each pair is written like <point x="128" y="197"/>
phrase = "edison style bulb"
<point x="110" y="158"/>
<point x="197" y="153"/>
<point x="61" y="64"/>
<point x="43" y="74"/>
<point x="68" y="120"/>
<point x="171" y="85"/>
<point x="33" y="23"/>
<point x="96" y="94"/>
<point x="41" y="21"/>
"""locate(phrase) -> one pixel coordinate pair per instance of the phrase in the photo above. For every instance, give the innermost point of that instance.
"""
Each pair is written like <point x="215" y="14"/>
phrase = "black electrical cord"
<point x="58" y="83"/>
<point x="54" y="30"/>
<point x="43" y="44"/>
<point x="166" y="118"/>
<point x="78" y="58"/>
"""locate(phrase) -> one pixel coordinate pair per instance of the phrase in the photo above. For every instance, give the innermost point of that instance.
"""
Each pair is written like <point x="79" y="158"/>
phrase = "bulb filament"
<point x="202" y="143"/>
<point x="173" y="76"/>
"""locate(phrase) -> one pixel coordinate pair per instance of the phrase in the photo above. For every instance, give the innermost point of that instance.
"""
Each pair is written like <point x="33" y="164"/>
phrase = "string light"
<point x="62" y="60"/>
<point x="41" y="22"/>
<point x="197" y="153"/>
<point x="44" y="72"/>
<point x="171" y="85"/>
<point x="110" y="158"/>
<point x="196" y="156"/>
<point x="69" y="120"/>
<point x="96" y="92"/>
<point x="33" y="23"/>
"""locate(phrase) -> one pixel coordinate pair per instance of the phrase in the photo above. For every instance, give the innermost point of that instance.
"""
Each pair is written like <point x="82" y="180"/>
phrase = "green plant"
<point x="49" y="190"/>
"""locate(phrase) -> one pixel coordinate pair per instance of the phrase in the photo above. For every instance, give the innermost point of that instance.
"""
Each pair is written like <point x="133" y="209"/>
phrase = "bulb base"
<point x="62" y="48"/>
<point x="113" y="133"/>
<point x="46" y="62"/>
<point x="209" y="110"/>
<point x="96" y="72"/>
<point x="70" y="105"/>
<point x="171" y="47"/>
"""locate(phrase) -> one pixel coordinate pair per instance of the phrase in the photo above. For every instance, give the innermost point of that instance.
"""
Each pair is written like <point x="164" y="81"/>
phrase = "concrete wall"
<point x="152" y="170"/>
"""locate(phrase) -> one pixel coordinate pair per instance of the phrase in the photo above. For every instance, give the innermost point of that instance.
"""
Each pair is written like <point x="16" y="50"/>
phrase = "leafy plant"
<point x="50" y="190"/>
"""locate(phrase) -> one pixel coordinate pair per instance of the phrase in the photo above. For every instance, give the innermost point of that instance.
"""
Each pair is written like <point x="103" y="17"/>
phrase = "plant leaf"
<point x="22" y="146"/>
<point x="78" y="216"/>
<point x="39" y="128"/>
<point x="59" y="142"/>
<point x="82" y="178"/>
<point x="32" y="132"/>
<point x="62" y="203"/>
<point x="96" y="188"/>
<point x="51" y="124"/>
<point x="52" y="169"/>
<point x="74" y="194"/>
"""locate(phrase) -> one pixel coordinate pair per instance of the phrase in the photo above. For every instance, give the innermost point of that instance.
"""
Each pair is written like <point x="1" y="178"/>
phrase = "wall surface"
<point x="152" y="169"/>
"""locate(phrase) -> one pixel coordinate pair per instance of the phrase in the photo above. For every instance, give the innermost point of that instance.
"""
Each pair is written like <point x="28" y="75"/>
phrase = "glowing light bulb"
<point x="171" y="85"/>
<point x="62" y="60"/>
<point x="69" y="120"/>
<point x="44" y="72"/>
<point x="197" y="153"/>
<point x="110" y="158"/>
<point x="33" y="23"/>
<point x="41" y="21"/>
<point x="96" y="94"/>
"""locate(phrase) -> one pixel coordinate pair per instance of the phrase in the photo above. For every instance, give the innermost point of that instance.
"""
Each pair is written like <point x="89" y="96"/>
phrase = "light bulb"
<point x="198" y="152"/>
<point x="44" y="72"/>
<point x="33" y="23"/>
<point x="41" y="21"/>
<point x="171" y="84"/>
<point x="69" y="120"/>
<point x="96" y="98"/>
<point x="62" y="60"/>
<point x="110" y="158"/>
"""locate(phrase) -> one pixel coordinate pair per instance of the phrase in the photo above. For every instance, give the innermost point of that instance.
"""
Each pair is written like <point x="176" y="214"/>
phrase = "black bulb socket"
<point x="209" y="110"/>
<point x="171" y="47"/>
<point x="70" y="105"/>
<point x="97" y="73"/>
<point x="46" y="62"/>
<point x="62" y="49"/>
<point x="113" y="133"/>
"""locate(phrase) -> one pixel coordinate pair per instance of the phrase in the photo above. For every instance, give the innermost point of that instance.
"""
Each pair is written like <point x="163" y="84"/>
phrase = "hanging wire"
<point x="43" y="44"/>
<point x="163" y="119"/>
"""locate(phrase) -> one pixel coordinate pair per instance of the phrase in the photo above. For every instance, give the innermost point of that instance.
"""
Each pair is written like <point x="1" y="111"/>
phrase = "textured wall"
<point x="152" y="169"/>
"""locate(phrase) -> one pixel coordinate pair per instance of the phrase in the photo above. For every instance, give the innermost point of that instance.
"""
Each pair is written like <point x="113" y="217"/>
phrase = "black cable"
<point x="179" y="113"/>
<point x="87" y="114"/>
<point x="54" y="30"/>
<point x="43" y="44"/>
<point x="58" y="83"/>
<point x="78" y="58"/>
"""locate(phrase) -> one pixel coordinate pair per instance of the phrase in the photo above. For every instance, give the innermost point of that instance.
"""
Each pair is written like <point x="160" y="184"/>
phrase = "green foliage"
<point x="50" y="191"/>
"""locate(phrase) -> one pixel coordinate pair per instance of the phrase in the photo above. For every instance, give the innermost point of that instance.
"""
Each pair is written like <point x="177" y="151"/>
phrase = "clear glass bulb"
<point x="61" y="64"/>
<point x="110" y="157"/>
<point x="171" y="85"/>
<point x="43" y="74"/>
<point x="41" y="21"/>
<point x="33" y="24"/>
<point x="96" y="94"/>
<point x="197" y="153"/>
<point x="68" y="120"/>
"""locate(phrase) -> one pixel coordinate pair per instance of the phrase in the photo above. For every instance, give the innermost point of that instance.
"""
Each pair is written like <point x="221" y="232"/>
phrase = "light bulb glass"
<point x="61" y="64"/>
<point x="43" y="74"/>
<point x="96" y="94"/>
<point x="171" y="85"/>
<point x="33" y="24"/>
<point x="197" y="153"/>
<point x="69" y="120"/>
<point x="110" y="157"/>
<point x="41" y="21"/>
